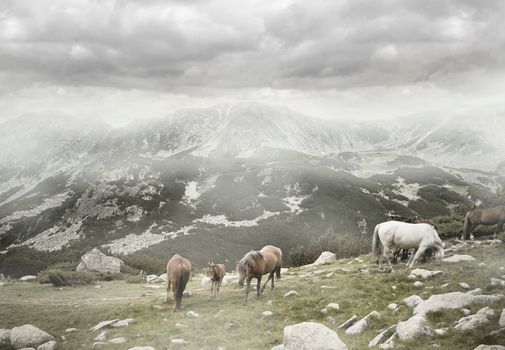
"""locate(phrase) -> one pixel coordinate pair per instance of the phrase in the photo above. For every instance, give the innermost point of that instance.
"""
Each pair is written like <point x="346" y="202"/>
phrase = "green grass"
<point x="241" y="326"/>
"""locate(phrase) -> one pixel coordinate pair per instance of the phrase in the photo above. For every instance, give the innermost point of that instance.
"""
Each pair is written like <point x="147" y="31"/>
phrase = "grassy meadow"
<point x="354" y="283"/>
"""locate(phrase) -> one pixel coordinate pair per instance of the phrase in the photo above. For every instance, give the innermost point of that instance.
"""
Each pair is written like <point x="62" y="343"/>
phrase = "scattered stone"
<point x="412" y="301"/>
<point x="142" y="348"/>
<point x="163" y="278"/>
<point x="98" y="345"/>
<point x="501" y="322"/>
<point x="178" y="341"/>
<point x="151" y="278"/>
<point x="412" y="328"/>
<point x="153" y="286"/>
<point x="489" y="347"/>
<point x="482" y="264"/>
<point x="310" y="336"/>
<point x="392" y="306"/>
<point x="267" y="313"/>
<point x="496" y="282"/>
<point x="333" y="307"/>
<point x="445" y="285"/>
<point x="480" y="318"/>
<point x="425" y="274"/>
<point x="476" y="291"/>
<point x="103" y="324"/>
<point x="158" y="307"/>
<point x="324" y="311"/>
<point x="441" y="331"/>
<point x="458" y="258"/>
<point x="118" y="340"/>
<point x="28" y="278"/>
<point x="464" y="285"/>
<point x="192" y="314"/>
<point x="50" y="345"/>
<point x="325" y="258"/>
<point x="418" y="284"/>
<point x="466" y="312"/>
<point x="349" y="322"/>
<point x="390" y="343"/>
<point x="28" y="336"/>
<point x="180" y="325"/>
<point x="101" y="337"/>
<point x="290" y="294"/>
<point x="360" y="326"/>
<point x="96" y="261"/>
<point x="122" y="323"/>
<point x="186" y="293"/>
<point x="382" y="337"/>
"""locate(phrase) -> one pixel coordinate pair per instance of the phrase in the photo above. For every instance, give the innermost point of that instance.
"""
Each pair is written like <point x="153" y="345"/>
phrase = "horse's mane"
<point x="255" y="255"/>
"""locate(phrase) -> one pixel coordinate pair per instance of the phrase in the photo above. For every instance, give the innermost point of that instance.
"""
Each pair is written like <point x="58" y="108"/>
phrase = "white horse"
<point x="390" y="235"/>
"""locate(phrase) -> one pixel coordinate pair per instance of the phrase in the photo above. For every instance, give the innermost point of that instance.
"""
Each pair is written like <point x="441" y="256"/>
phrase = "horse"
<point x="255" y="264"/>
<point x="216" y="274"/>
<point x="404" y="254"/>
<point x="178" y="273"/>
<point x="391" y="235"/>
<point x="488" y="216"/>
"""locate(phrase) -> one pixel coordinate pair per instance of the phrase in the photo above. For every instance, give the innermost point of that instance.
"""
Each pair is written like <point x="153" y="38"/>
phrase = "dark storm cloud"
<point x="173" y="45"/>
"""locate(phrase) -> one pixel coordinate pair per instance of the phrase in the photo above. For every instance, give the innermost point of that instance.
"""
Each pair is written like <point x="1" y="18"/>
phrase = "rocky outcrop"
<point x="310" y="336"/>
<point x="325" y="258"/>
<point x="360" y="326"/>
<point x="481" y="317"/>
<point x="28" y="336"/>
<point x="96" y="261"/>
<point x="453" y="300"/>
<point x="414" y="327"/>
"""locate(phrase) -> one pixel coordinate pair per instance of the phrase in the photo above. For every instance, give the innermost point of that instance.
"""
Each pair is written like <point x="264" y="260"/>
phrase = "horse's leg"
<point x="218" y="285"/>
<point x="168" y="292"/>
<point x="387" y="254"/>
<point x="411" y="257"/>
<point x="270" y="277"/>
<point x="211" y="288"/>
<point x="258" y="292"/>
<point x="273" y="277"/>
<point x="248" y="285"/>
<point x="420" y="251"/>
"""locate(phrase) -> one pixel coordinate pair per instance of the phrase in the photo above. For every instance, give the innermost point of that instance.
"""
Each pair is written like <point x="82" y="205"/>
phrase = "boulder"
<point x="414" y="327"/>
<point x="28" y="278"/>
<point x="382" y="337"/>
<point x="325" y="258"/>
<point x="496" y="282"/>
<point x="360" y="326"/>
<point x="489" y="347"/>
<point x="453" y="300"/>
<point x="28" y="336"/>
<point x="50" y="345"/>
<point x="310" y="336"/>
<point x="333" y="307"/>
<point x="390" y="343"/>
<point x="480" y="318"/>
<point x="96" y="261"/>
<point x="458" y="258"/>
<point x="425" y="274"/>
<point x="5" y="336"/>
<point x="412" y="301"/>
<point x="103" y="324"/>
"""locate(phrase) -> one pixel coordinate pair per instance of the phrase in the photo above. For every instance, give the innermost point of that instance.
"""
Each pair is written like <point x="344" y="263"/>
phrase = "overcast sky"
<point x="123" y="59"/>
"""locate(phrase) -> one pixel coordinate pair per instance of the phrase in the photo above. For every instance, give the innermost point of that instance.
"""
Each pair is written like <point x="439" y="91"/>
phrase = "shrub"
<point x="138" y="261"/>
<point x="67" y="278"/>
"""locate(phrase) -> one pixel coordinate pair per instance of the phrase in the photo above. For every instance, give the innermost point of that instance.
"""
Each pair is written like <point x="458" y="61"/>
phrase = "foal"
<point x="216" y="274"/>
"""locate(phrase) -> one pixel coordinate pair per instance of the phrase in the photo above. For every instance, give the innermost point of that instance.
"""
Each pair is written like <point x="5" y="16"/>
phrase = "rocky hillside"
<point x="207" y="182"/>
<point x="456" y="305"/>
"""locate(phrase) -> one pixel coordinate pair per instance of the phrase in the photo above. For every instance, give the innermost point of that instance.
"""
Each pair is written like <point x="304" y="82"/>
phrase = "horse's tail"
<point x="466" y="226"/>
<point x="376" y="243"/>
<point x="181" y="285"/>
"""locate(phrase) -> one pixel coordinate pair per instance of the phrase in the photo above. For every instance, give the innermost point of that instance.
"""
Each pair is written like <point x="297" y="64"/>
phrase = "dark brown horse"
<point x="488" y="216"/>
<point x="178" y="273"/>
<point x="255" y="264"/>
<point x="216" y="274"/>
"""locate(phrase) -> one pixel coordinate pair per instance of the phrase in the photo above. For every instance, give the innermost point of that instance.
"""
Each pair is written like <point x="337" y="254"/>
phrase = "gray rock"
<point x="5" y="336"/>
<point x="382" y="337"/>
<point x="414" y="327"/>
<point x="464" y="285"/>
<point x="118" y="340"/>
<point x="496" y="282"/>
<point x="122" y="323"/>
<point x="418" y="284"/>
<point x="192" y="314"/>
<point x="98" y="345"/>
<point x="291" y="293"/>
<point x="28" y="278"/>
<point x="179" y="342"/>
<point x="489" y="347"/>
<point x="412" y="301"/>
<point x="103" y="324"/>
<point x="50" y="345"/>
<point x="392" y="306"/>
<point x="390" y="343"/>
<point x="481" y="317"/>
<point x="325" y="258"/>
<point x="501" y="321"/>
<point x="458" y="258"/>
<point x="28" y="336"/>
<point x="453" y="300"/>
<point x="310" y="336"/>
<point x="425" y="274"/>
<point x="360" y="326"/>
<point x="142" y="348"/>
<point x="96" y="261"/>
<point x="349" y="322"/>
<point x="333" y="307"/>
<point x="101" y="337"/>
<point x="441" y="331"/>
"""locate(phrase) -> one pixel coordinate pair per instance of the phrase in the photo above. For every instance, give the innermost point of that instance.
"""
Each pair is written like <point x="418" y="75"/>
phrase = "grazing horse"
<point x="216" y="274"/>
<point x="391" y="235"/>
<point x="257" y="263"/>
<point x="404" y="254"/>
<point x="488" y="216"/>
<point x="178" y="273"/>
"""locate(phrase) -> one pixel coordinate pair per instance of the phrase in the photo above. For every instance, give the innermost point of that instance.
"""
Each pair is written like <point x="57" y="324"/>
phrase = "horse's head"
<point x="210" y="269"/>
<point x="439" y="254"/>
<point x="242" y="273"/>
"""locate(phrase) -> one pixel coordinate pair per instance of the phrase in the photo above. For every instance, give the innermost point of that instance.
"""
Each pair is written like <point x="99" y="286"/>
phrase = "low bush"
<point x="67" y="278"/>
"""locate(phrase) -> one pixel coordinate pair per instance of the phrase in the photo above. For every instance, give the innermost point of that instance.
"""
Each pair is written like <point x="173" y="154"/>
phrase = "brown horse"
<point x="488" y="216"/>
<point x="216" y="274"/>
<point x="178" y="273"/>
<point x="258" y="263"/>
